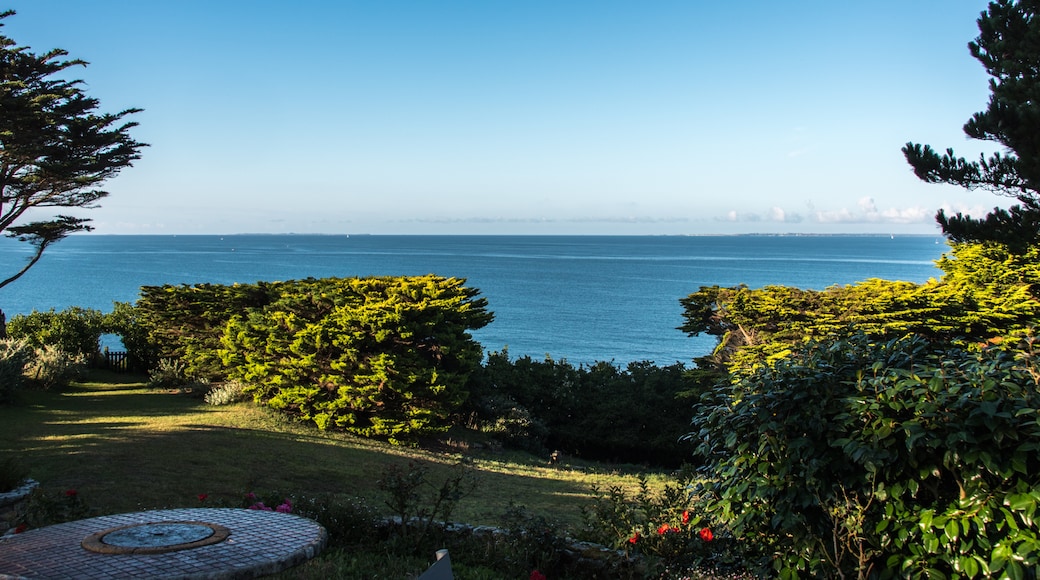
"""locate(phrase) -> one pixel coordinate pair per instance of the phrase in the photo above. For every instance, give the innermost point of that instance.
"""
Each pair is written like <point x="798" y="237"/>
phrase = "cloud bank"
<point x="865" y="212"/>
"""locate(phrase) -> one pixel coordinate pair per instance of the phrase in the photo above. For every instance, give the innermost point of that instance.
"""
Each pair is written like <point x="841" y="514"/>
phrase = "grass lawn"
<point x="125" y="448"/>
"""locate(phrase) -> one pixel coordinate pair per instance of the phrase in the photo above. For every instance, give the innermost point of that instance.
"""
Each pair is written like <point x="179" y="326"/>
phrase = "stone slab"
<point x="258" y="543"/>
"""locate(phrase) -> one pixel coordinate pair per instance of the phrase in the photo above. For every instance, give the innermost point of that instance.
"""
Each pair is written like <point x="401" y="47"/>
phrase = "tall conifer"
<point x="55" y="148"/>
<point x="1008" y="46"/>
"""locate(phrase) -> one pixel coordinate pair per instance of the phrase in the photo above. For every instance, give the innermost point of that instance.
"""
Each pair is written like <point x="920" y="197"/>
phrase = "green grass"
<point x="125" y="448"/>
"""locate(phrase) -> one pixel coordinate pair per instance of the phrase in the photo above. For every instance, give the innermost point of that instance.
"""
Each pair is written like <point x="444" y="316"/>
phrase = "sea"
<point x="581" y="299"/>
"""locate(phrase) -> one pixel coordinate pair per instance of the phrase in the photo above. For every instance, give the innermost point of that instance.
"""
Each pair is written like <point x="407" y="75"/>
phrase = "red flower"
<point x="536" y="575"/>
<point x="685" y="517"/>
<point x="706" y="535"/>
<point x="665" y="528"/>
<point x="203" y="496"/>
<point x="71" y="493"/>
<point x="634" y="538"/>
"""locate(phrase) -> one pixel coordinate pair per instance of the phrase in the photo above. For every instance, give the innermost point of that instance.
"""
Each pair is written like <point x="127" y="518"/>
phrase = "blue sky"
<point x="533" y="117"/>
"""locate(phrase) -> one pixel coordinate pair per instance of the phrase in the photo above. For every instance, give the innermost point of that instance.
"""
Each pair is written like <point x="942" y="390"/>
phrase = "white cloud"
<point x="735" y="216"/>
<point x="868" y="213"/>
<point x="865" y="212"/>
<point x="774" y="214"/>
<point x="839" y="216"/>
<point x="976" y="211"/>
<point x="909" y="215"/>
<point x="544" y="220"/>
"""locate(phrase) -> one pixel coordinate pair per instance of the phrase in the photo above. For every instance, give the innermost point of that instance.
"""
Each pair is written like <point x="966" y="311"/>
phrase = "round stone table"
<point x="196" y="543"/>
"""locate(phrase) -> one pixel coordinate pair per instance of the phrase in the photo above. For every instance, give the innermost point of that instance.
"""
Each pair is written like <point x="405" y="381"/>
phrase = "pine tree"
<point x="1008" y="46"/>
<point x="55" y="148"/>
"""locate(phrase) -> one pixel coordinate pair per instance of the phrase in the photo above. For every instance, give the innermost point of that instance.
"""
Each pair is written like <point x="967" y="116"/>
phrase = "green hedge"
<point x="633" y="414"/>
<point x="898" y="458"/>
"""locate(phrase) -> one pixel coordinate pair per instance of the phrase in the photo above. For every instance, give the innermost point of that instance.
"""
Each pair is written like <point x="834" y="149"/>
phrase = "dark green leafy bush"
<point x="636" y="414"/>
<point x="898" y="458"/>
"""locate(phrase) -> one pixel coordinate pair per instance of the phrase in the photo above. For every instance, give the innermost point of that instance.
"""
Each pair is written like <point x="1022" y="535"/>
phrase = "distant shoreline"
<point x="361" y="235"/>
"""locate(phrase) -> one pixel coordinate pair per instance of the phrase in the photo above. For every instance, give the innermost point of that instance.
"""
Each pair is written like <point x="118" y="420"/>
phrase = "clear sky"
<point x="526" y="117"/>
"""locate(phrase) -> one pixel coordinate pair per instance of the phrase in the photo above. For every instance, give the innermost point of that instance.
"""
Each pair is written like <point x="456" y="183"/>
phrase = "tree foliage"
<point x="375" y="356"/>
<point x="75" y="331"/>
<point x="632" y="414"/>
<point x="1008" y="46"/>
<point x="385" y="356"/>
<point x="56" y="149"/>
<point x="878" y="429"/>
<point x="186" y="322"/>
<point x="125" y="322"/>
<point x="891" y="459"/>
<point x="987" y="291"/>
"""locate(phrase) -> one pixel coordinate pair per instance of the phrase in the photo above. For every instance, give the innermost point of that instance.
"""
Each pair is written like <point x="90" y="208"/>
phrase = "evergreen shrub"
<point x="636" y="414"/>
<point x="385" y="357"/>
<point x="986" y="291"/>
<point x="186" y="323"/>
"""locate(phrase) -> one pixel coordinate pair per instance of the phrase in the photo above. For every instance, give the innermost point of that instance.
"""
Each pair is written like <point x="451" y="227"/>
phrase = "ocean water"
<point x="579" y="298"/>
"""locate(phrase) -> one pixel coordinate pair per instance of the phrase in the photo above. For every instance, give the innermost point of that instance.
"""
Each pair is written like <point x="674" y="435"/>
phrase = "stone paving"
<point x="258" y="543"/>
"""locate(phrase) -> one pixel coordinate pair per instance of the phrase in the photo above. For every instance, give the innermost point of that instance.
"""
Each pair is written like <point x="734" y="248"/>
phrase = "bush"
<point x="418" y="500"/>
<point x="664" y="528"/>
<point x="75" y="330"/>
<point x="52" y="368"/>
<point x="47" y="508"/>
<point x="896" y="458"/>
<point x="14" y="356"/>
<point x="186" y="323"/>
<point x="226" y="394"/>
<point x="385" y="357"/>
<point x="508" y="422"/>
<point x="168" y="374"/>
<point x="635" y="414"/>
<point x="125" y="320"/>
<point x="345" y="520"/>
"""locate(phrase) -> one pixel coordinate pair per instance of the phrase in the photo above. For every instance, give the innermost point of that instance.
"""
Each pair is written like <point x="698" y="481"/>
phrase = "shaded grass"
<point x="125" y="447"/>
